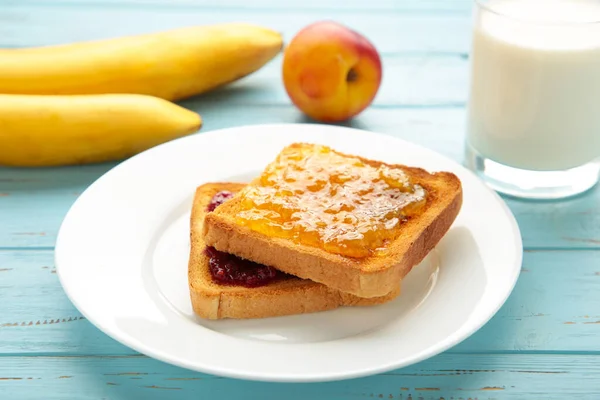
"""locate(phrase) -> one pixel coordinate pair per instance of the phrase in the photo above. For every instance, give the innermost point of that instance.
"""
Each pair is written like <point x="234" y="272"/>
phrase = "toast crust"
<point x="289" y="296"/>
<point x="366" y="277"/>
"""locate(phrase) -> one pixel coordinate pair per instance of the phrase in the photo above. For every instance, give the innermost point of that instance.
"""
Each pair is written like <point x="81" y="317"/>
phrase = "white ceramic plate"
<point x="122" y="254"/>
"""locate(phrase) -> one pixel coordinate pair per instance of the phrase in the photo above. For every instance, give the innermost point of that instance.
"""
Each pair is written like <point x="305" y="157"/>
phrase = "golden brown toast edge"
<point x="368" y="277"/>
<point x="286" y="297"/>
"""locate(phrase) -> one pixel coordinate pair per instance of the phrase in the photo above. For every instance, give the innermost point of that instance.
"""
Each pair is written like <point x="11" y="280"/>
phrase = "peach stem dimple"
<point x="352" y="75"/>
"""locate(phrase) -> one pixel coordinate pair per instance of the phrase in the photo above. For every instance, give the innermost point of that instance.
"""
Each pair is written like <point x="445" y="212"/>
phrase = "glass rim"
<point x="483" y="4"/>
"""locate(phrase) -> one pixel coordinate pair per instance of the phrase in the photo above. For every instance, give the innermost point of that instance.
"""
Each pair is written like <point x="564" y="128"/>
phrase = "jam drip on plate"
<point x="228" y="269"/>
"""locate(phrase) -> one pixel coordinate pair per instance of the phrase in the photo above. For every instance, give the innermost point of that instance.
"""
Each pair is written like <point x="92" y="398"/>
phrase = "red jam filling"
<point x="219" y="199"/>
<point x="228" y="269"/>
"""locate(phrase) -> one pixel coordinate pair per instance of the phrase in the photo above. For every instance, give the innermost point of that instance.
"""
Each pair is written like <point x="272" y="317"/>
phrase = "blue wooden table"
<point x="543" y="344"/>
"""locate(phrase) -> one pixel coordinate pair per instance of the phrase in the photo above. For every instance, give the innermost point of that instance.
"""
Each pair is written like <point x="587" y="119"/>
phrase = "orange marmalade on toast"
<point x="319" y="197"/>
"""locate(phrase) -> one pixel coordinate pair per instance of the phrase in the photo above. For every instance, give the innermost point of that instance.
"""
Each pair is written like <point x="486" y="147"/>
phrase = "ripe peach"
<point x="331" y="72"/>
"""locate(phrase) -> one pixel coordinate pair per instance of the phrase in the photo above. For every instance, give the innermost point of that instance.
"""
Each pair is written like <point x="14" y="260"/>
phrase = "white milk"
<point x="535" y="92"/>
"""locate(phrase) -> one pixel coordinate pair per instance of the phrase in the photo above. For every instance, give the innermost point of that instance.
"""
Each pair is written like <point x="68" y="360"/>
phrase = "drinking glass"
<point x="533" y="125"/>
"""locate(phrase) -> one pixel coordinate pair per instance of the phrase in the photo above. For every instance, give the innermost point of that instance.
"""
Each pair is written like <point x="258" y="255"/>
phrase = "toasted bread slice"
<point x="287" y="296"/>
<point x="370" y="276"/>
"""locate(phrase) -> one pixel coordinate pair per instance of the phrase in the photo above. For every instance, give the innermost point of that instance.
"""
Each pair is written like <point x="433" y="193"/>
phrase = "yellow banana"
<point x="38" y="130"/>
<point x="171" y="64"/>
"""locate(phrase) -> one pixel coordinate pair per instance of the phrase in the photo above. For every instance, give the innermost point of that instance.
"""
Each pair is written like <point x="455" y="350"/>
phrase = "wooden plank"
<point x="554" y="307"/>
<point x="33" y="202"/>
<point x="341" y="6"/>
<point x="23" y="25"/>
<point x="409" y="81"/>
<point x="446" y="377"/>
<point x="572" y="223"/>
<point x="36" y="314"/>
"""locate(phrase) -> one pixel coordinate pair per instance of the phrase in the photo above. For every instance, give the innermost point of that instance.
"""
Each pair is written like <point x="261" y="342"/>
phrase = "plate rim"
<point x="433" y="350"/>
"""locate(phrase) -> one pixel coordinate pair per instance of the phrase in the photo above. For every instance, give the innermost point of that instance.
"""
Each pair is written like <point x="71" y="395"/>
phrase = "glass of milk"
<point x="533" y="127"/>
